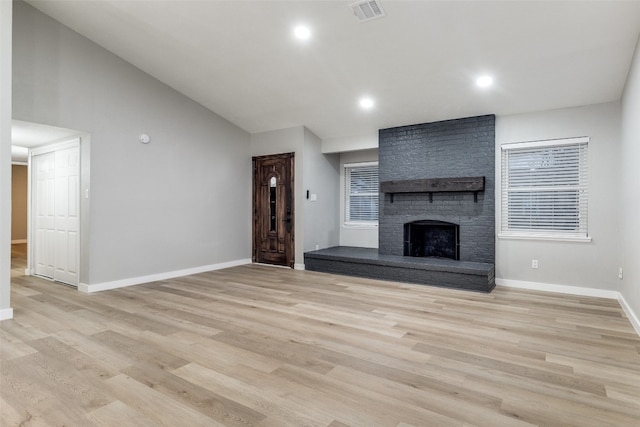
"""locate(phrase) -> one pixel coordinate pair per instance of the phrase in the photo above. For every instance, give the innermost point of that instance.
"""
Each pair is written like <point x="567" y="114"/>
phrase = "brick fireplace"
<point x="439" y="155"/>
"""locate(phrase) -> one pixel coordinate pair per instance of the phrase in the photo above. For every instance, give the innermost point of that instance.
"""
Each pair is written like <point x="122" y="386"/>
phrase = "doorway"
<point x="273" y="213"/>
<point x="29" y="141"/>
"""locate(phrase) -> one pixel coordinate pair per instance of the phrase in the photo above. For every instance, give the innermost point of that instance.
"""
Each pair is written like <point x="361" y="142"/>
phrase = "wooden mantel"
<point x="434" y="185"/>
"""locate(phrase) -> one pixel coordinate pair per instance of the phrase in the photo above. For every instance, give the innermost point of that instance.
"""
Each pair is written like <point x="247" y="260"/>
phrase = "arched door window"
<point x="273" y="182"/>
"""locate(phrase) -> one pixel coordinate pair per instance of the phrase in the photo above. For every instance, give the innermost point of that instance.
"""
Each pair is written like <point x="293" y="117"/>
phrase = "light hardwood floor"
<point x="262" y="346"/>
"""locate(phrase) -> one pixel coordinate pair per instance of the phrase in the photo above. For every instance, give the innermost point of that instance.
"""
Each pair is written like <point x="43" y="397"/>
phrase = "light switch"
<point x="313" y="197"/>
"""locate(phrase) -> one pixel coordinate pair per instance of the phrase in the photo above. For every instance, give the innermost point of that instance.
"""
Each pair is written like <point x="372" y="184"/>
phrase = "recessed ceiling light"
<point x="366" y="103"/>
<point x="484" y="81"/>
<point x="302" y="32"/>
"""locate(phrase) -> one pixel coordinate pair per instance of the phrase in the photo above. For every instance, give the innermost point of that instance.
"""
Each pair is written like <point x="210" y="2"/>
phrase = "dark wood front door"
<point x="273" y="218"/>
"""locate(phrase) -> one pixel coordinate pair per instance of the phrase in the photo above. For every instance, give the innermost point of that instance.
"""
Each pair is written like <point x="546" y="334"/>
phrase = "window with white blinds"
<point x="361" y="193"/>
<point x="544" y="189"/>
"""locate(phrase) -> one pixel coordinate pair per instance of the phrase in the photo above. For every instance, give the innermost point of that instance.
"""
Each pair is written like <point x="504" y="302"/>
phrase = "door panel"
<point x="273" y="228"/>
<point x="44" y="216"/>
<point x="67" y="222"/>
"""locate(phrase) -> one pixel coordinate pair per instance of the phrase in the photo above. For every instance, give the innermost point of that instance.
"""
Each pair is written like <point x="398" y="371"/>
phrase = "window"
<point x="544" y="189"/>
<point x="361" y="193"/>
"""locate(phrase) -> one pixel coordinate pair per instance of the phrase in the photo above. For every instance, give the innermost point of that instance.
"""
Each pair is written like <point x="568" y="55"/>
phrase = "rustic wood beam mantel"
<point x="434" y="185"/>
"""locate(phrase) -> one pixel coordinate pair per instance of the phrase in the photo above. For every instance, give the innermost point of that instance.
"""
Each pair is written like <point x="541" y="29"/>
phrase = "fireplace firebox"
<point x="427" y="238"/>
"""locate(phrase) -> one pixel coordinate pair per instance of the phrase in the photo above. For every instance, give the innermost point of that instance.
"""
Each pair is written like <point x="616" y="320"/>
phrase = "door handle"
<point x="287" y="221"/>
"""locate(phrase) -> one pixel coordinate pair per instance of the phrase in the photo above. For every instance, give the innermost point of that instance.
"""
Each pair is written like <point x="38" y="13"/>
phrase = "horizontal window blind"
<point x="544" y="188"/>
<point x="361" y="193"/>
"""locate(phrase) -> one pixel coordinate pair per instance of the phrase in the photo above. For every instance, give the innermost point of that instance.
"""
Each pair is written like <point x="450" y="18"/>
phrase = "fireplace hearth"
<point x="427" y="238"/>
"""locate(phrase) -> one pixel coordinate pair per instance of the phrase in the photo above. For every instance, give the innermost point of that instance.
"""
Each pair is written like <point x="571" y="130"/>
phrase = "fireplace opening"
<point x="432" y="239"/>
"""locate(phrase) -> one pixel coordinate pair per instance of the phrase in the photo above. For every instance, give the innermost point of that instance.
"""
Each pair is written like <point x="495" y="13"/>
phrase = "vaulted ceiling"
<point x="419" y="62"/>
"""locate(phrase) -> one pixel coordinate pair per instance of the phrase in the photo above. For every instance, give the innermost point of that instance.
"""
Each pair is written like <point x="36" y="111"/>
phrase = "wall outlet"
<point x="620" y="273"/>
<point x="317" y="247"/>
<point x="534" y="263"/>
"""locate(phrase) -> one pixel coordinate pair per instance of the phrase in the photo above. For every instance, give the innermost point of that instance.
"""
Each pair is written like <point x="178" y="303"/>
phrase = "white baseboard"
<point x="82" y="287"/>
<point x="6" y="314"/>
<point x="561" y="289"/>
<point x="14" y="242"/>
<point x="298" y="266"/>
<point x="633" y="318"/>
<point x="575" y="290"/>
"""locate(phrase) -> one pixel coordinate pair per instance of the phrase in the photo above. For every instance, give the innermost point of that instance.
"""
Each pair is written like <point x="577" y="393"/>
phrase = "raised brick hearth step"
<point x="366" y="262"/>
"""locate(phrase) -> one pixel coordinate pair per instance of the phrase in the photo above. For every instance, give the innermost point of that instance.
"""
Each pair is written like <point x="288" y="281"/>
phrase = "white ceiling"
<point x="26" y="135"/>
<point x="31" y="135"/>
<point x="419" y="63"/>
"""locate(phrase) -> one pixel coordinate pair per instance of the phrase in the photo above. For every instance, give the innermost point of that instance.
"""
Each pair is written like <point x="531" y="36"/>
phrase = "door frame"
<point x="290" y="243"/>
<point x="74" y="142"/>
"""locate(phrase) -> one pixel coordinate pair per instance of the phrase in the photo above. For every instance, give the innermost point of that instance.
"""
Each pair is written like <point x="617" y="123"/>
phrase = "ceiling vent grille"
<point x="367" y="10"/>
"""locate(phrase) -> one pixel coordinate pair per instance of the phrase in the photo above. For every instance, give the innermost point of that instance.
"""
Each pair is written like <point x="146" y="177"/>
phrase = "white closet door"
<point x="56" y="207"/>
<point x="66" y="211"/>
<point x="43" y="211"/>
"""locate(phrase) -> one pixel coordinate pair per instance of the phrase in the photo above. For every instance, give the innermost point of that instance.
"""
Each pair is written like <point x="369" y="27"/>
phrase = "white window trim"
<point x="361" y="225"/>
<point x="543" y="236"/>
<point x="546" y="143"/>
<point x="534" y="235"/>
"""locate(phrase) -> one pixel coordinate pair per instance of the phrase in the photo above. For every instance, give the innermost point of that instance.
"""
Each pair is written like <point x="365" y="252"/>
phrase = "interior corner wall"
<point x="316" y="223"/>
<point x="5" y="158"/>
<point x="290" y="140"/>
<point x="321" y="178"/>
<point x="181" y="202"/>
<point x="356" y="236"/>
<point x="629" y="206"/>
<point x="586" y="265"/>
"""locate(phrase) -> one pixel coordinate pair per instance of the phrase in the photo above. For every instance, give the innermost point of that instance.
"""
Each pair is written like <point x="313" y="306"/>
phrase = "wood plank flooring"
<point x="262" y="346"/>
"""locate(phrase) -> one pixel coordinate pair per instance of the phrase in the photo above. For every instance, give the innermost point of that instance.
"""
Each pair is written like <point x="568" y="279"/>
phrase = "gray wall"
<point x="321" y="176"/>
<point x="5" y="159"/>
<point x="587" y="265"/>
<point x="182" y="201"/>
<point x="446" y="149"/>
<point x="629" y="203"/>
<point x="345" y="144"/>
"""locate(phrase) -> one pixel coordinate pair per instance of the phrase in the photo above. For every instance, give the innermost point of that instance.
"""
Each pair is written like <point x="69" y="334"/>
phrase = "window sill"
<point x="359" y="226"/>
<point x="548" y="237"/>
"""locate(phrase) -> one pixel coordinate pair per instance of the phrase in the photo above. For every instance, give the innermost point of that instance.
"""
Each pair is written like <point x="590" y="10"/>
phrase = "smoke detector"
<point x="367" y="10"/>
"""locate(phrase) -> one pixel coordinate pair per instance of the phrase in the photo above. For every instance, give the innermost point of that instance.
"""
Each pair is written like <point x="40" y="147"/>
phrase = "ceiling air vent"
<point x="367" y="10"/>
